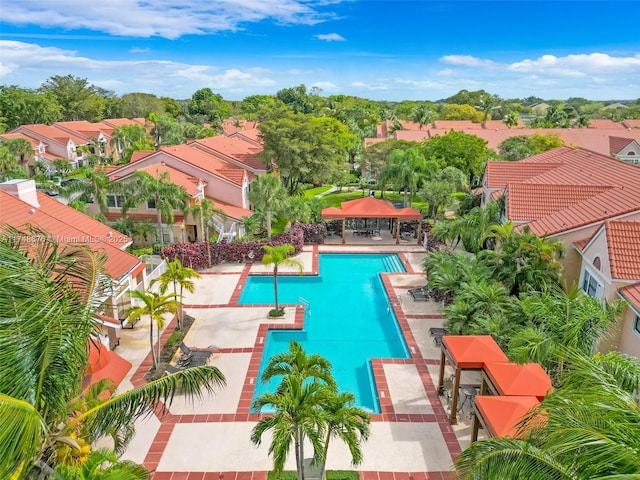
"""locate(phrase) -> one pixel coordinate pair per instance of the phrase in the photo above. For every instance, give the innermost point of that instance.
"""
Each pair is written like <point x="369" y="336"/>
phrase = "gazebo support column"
<point x="454" y="397"/>
<point x="344" y="221"/>
<point x="397" y="231"/>
<point x="441" y="376"/>
<point x="475" y="426"/>
<point x="419" y="230"/>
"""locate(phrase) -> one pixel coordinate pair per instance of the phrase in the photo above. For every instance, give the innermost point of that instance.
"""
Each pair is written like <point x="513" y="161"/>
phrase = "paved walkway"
<point x="209" y="438"/>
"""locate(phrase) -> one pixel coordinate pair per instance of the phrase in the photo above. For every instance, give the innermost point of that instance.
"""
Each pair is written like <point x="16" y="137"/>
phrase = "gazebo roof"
<point x="513" y="379"/>
<point x="502" y="414"/>
<point x="369" y="207"/>
<point x="104" y="363"/>
<point x="472" y="351"/>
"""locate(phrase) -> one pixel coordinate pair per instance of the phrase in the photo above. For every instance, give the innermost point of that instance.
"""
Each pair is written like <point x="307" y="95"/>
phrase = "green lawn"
<point x="334" y="199"/>
<point x="312" y="192"/>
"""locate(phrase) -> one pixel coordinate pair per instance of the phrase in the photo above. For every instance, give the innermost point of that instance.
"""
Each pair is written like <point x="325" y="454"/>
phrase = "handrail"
<point x="306" y="304"/>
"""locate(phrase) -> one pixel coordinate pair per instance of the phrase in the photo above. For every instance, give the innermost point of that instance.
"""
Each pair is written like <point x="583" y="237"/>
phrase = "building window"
<point x="115" y="201"/>
<point x="636" y="324"/>
<point x="151" y="204"/>
<point x="597" y="263"/>
<point x="590" y="285"/>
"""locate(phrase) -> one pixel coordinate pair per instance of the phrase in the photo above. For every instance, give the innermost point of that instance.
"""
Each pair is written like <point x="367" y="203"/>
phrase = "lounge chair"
<point x="421" y="295"/>
<point x="169" y="369"/>
<point x="437" y="333"/>
<point x="417" y="289"/>
<point x="193" y="357"/>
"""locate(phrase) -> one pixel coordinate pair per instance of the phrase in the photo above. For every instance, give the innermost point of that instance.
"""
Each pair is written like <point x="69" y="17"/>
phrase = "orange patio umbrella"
<point x="506" y="378"/>
<point x="466" y="352"/>
<point x="104" y="363"/>
<point x="500" y="415"/>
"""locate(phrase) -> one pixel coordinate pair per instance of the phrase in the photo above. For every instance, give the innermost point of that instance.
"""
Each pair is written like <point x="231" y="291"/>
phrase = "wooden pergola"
<point x="370" y="207"/>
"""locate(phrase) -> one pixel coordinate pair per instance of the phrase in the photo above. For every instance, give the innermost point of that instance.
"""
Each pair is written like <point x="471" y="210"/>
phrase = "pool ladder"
<point x="306" y="304"/>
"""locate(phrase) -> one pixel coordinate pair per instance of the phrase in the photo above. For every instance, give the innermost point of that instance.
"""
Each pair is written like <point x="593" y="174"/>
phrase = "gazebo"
<point x="466" y="352"/>
<point x="370" y="207"/>
<point x="511" y="379"/>
<point x="500" y="415"/>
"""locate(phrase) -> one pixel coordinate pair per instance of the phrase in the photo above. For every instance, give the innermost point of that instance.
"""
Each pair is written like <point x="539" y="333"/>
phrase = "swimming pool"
<point x="349" y="320"/>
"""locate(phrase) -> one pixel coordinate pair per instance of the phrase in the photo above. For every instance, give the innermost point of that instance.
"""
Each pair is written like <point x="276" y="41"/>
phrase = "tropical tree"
<point x="297" y="401"/>
<point x="407" y="169"/>
<point x="177" y="275"/>
<point x="422" y="115"/>
<point x="345" y="421"/>
<point x="46" y="309"/>
<point x="437" y="191"/>
<point x="488" y="103"/>
<point x="156" y="306"/>
<point x="559" y="321"/>
<point x="21" y="148"/>
<point x="96" y="187"/>
<point x="267" y="193"/>
<point x="126" y="136"/>
<point x="511" y="119"/>
<point x="161" y="193"/>
<point x="101" y="464"/>
<point x="279" y="257"/>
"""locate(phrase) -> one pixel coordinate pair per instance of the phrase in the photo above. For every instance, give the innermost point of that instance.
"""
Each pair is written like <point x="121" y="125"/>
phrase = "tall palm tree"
<point x="346" y="422"/>
<point x="47" y="300"/>
<point x="166" y="196"/>
<point x="177" y="275"/>
<point x="422" y="115"/>
<point x="297" y="403"/>
<point x="21" y="148"/>
<point x="156" y="306"/>
<point x="488" y="103"/>
<point x="96" y="187"/>
<point x="296" y="417"/>
<point x="407" y="169"/>
<point x="268" y="193"/>
<point x="101" y="464"/>
<point x="279" y="257"/>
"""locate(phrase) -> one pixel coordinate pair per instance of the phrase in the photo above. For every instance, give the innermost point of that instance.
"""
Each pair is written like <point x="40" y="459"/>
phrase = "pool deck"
<point x="209" y="438"/>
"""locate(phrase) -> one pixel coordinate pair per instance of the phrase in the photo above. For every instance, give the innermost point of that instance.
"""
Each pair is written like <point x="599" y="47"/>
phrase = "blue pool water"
<point x="349" y="319"/>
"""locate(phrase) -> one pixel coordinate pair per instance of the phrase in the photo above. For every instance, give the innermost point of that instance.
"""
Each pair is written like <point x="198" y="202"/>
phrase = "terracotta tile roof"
<point x="456" y="125"/>
<point x="252" y="135"/>
<point x="632" y="123"/>
<point x="616" y="144"/>
<point x="580" y="244"/>
<point x="548" y="199"/>
<point x="81" y="127"/>
<point x="207" y="161"/>
<point x="231" y="211"/>
<point x="243" y="151"/>
<point x="232" y="125"/>
<point x="631" y="294"/>
<point x="605" y="123"/>
<point x="623" y="241"/>
<point x="414" y="135"/>
<point x="10" y="136"/>
<point x="140" y="154"/>
<point x="69" y="226"/>
<point x="189" y="183"/>
<point x="119" y="122"/>
<point x="51" y="133"/>
<point x="498" y="174"/>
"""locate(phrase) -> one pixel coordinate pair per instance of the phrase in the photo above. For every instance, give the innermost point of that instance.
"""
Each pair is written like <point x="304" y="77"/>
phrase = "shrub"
<point x="194" y="255"/>
<point x="276" y="313"/>
<point x="313" y="232"/>
<point x="331" y="475"/>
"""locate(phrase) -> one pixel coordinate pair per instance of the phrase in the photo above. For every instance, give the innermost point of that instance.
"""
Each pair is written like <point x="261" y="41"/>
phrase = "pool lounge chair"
<point x="421" y="295"/>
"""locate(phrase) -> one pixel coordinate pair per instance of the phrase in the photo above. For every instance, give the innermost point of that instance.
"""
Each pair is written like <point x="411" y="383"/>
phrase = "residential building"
<point x="22" y="205"/>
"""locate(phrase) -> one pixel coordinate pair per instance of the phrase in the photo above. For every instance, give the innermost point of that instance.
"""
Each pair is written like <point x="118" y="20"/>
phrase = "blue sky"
<point x="383" y="50"/>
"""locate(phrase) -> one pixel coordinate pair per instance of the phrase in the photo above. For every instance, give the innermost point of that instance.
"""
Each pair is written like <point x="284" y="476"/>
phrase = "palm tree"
<point x="407" y="169"/>
<point x="267" y="192"/>
<point x="297" y="403"/>
<point x="422" y="115"/>
<point x="204" y="211"/>
<point x="101" y="464"/>
<point x="165" y="196"/>
<point x="590" y="429"/>
<point x="346" y="422"/>
<point x="21" y="148"/>
<point x="156" y="306"/>
<point x="125" y="136"/>
<point x="488" y="103"/>
<point x="511" y="119"/>
<point x="97" y="186"/>
<point x="279" y="257"/>
<point x="297" y="416"/>
<point x="176" y="274"/>
<point x="46" y="308"/>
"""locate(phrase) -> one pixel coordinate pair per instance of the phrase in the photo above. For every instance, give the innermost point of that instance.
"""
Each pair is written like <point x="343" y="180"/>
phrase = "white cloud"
<point x="163" y="18"/>
<point x="330" y="37"/>
<point x="468" y="61"/>
<point x="139" y="50"/>
<point x="326" y="86"/>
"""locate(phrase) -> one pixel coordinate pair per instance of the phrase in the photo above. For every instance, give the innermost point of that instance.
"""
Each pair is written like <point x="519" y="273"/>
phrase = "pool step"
<point x="392" y="264"/>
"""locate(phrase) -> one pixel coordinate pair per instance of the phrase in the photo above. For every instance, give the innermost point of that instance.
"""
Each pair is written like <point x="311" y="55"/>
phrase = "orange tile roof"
<point x="498" y="174"/>
<point x="616" y="144"/>
<point x="369" y="207"/>
<point x="140" y="154"/>
<point x="632" y="123"/>
<point x="605" y="123"/>
<point x="52" y="133"/>
<point x="623" y="241"/>
<point x="548" y="198"/>
<point x="189" y="183"/>
<point x="414" y="135"/>
<point x="231" y="211"/>
<point x="207" y="161"/>
<point x="631" y="294"/>
<point x="235" y="147"/>
<point x="69" y="226"/>
<point x="455" y="125"/>
<point x="580" y="244"/>
<point x="10" y="136"/>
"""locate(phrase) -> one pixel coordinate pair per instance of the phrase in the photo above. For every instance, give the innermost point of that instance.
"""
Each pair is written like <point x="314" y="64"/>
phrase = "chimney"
<point x="25" y="190"/>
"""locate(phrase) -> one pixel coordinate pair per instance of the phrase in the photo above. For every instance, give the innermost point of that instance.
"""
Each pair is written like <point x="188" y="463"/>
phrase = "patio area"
<point x="209" y="439"/>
